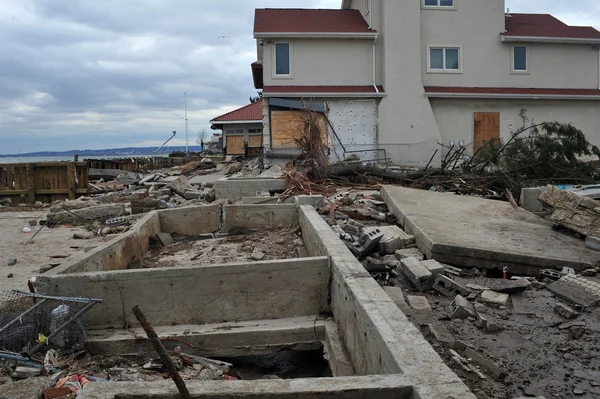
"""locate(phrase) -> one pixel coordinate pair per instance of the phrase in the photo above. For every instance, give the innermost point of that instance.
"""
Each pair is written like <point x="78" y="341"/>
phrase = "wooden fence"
<point x="139" y="164"/>
<point x="44" y="181"/>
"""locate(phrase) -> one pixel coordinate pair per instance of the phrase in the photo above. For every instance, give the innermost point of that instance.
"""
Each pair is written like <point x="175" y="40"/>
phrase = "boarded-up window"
<point x="235" y="145"/>
<point x="487" y="128"/>
<point x="287" y="127"/>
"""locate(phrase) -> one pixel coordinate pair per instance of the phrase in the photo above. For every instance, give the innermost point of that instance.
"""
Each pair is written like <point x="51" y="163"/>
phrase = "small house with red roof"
<point x="397" y="79"/>
<point x="242" y="130"/>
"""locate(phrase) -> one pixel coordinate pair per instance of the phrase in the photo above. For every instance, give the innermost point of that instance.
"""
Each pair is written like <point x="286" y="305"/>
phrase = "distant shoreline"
<point x="125" y="152"/>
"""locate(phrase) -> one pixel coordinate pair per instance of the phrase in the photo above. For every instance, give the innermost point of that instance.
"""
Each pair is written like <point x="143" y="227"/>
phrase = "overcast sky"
<point x="112" y="73"/>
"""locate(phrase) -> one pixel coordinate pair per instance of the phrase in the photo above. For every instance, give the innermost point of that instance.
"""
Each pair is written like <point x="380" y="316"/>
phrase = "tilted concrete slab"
<point x="475" y="232"/>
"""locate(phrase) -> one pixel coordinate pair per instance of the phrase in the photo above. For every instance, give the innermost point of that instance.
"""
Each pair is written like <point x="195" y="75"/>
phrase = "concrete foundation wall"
<point x="117" y="253"/>
<point x="191" y="221"/>
<point x="236" y="189"/>
<point x="378" y="336"/>
<point x="259" y="216"/>
<point x="199" y="295"/>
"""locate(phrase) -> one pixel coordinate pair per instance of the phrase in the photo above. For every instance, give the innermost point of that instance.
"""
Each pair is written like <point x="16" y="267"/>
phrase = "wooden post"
<point x="76" y="158"/>
<point x="164" y="356"/>
<point x="71" y="180"/>
<point x="30" y="184"/>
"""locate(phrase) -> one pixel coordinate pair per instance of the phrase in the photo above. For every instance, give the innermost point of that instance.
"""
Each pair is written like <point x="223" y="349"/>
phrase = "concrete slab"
<point x="474" y="232"/>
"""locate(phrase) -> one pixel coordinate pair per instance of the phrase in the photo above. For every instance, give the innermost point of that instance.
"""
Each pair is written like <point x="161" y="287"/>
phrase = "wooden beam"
<point x="30" y="184"/>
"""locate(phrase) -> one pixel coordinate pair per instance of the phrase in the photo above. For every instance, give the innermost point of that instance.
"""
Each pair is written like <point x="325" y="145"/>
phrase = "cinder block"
<point x="434" y="267"/>
<point x="440" y="333"/>
<point x="565" y="311"/>
<point x="394" y="238"/>
<point x="529" y="199"/>
<point x="449" y="287"/>
<point x="367" y="243"/>
<point x="417" y="274"/>
<point x="462" y="308"/>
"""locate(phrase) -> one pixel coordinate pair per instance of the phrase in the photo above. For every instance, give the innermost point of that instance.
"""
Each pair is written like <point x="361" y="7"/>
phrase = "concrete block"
<point x="396" y="295"/>
<point x="592" y="243"/>
<point x="165" y="238"/>
<point x="440" y="333"/>
<point x="462" y="308"/>
<point x="450" y="288"/>
<point x="417" y="274"/>
<point x="511" y="286"/>
<point x="409" y="253"/>
<point x="316" y="201"/>
<point x="493" y="298"/>
<point x="418" y="302"/>
<point x="529" y="199"/>
<point x="394" y="238"/>
<point x="434" y="267"/>
<point x="565" y="311"/>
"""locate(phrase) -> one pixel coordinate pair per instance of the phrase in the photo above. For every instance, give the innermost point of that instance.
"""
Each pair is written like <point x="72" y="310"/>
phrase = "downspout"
<point x="375" y="65"/>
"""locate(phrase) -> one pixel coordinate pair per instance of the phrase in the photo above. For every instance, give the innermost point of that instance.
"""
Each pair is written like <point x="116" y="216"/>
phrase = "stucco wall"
<point x="455" y="116"/>
<point x="407" y="126"/>
<point x="323" y="62"/>
<point x="476" y="25"/>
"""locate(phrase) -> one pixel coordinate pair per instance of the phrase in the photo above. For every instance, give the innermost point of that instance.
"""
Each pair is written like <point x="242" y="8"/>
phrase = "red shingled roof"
<point x="251" y="112"/>
<point x="512" y="91"/>
<point x="287" y="20"/>
<point x="321" y="89"/>
<point x="545" y="25"/>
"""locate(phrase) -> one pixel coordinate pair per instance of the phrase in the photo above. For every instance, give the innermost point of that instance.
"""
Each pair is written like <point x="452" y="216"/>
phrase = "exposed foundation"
<point x="326" y="302"/>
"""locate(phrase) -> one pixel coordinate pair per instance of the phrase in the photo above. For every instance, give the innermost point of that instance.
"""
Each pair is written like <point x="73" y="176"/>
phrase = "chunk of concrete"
<point x="258" y="255"/>
<point x="396" y="295"/>
<point x="434" y="267"/>
<point x="417" y="274"/>
<point x="592" y="243"/>
<point x="480" y="360"/>
<point x="529" y="199"/>
<point x="511" y="286"/>
<point x="409" y="253"/>
<point x="576" y="290"/>
<point x="493" y="298"/>
<point x="418" y="302"/>
<point x="181" y="186"/>
<point x="165" y="238"/>
<point x="367" y="243"/>
<point x="565" y="311"/>
<point x="462" y="308"/>
<point x="449" y="287"/>
<point x="22" y="372"/>
<point x="440" y="333"/>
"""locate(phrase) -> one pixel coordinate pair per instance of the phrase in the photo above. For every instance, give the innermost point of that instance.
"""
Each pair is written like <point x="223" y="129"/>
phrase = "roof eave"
<point x="214" y="122"/>
<point x="315" y="35"/>
<point x="325" y="95"/>
<point x="513" y="96"/>
<point x="541" y="39"/>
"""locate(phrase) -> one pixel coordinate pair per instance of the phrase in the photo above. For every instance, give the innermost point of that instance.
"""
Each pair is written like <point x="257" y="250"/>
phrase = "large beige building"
<point x="407" y="76"/>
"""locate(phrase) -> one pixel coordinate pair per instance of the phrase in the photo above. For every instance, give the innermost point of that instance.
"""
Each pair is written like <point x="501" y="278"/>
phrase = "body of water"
<point x="5" y="160"/>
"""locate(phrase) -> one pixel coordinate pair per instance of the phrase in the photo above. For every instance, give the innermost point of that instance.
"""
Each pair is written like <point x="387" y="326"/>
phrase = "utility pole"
<point x="187" y="136"/>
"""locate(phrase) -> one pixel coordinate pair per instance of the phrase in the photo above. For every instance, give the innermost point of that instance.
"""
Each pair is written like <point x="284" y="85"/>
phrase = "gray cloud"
<point x="97" y="74"/>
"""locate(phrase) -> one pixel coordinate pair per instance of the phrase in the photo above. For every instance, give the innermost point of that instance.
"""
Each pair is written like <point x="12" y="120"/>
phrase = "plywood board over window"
<point x="486" y="128"/>
<point x="235" y="145"/>
<point x="287" y="127"/>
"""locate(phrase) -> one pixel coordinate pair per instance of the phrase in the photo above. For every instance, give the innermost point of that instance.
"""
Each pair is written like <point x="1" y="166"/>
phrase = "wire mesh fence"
<point x="29" y="322"/>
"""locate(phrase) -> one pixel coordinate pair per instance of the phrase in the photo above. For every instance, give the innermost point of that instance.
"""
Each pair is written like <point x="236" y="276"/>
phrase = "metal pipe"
<point x="375" y="65"/>
<point x="164" y="144"/>
<point x="22" y="360"/>
<point x="19" y="317"/>
<point x="61" y="328"/>
<point x="58" y="298"/>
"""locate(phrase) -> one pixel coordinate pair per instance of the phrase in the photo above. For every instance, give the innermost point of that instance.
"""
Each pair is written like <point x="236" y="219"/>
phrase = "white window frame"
<point x="453" y="7"/>
<point x="291" y="47"/>
<point x="444" y="47"/>
<point x="514" y="71"/>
